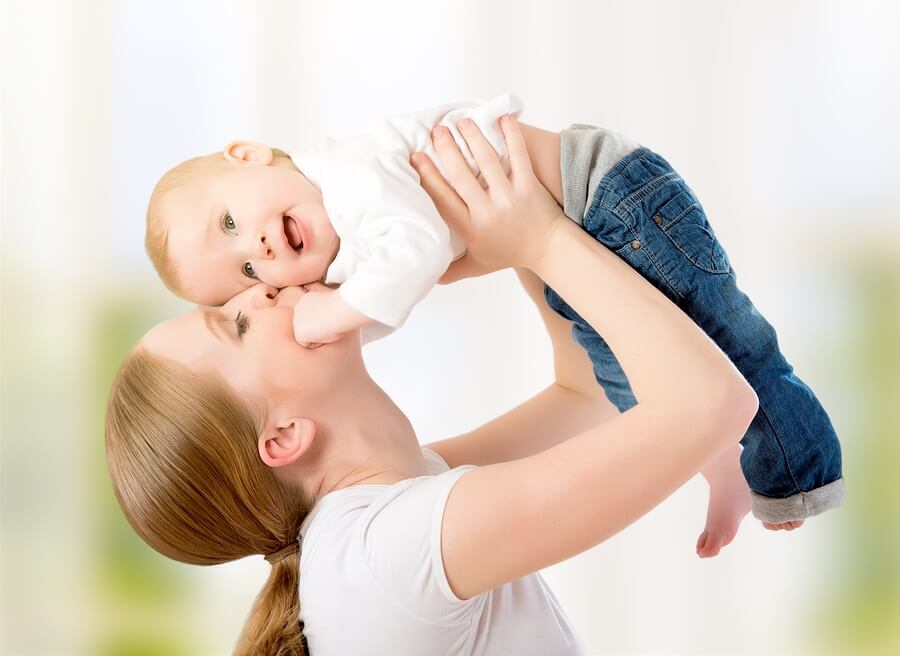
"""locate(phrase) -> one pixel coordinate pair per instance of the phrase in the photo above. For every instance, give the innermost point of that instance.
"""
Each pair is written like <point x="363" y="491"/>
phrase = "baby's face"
<point x="244" y="223"/>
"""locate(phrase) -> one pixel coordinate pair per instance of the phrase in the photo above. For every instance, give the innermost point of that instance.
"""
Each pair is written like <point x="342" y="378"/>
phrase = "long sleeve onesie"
<point x="394" y="246"/>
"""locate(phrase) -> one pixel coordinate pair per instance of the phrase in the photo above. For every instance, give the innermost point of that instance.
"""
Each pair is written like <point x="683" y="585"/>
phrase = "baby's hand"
<point x="311" y="314"/>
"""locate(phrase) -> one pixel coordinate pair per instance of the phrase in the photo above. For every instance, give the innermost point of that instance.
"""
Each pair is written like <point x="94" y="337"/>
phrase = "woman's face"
<point x="249" y="342"/>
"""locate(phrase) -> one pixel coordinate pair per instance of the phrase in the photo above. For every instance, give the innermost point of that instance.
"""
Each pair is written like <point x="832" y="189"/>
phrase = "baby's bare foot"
<point x="787" y="526"/>
<point x="729" y="503"/>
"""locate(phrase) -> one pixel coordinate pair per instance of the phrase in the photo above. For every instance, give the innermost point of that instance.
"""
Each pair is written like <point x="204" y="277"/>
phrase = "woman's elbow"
<point x="736" y="406"/>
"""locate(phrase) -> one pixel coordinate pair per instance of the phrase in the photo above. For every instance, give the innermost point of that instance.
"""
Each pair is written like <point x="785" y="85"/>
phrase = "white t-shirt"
<point x="372" y="581"/>
<point x="393" y="243"/>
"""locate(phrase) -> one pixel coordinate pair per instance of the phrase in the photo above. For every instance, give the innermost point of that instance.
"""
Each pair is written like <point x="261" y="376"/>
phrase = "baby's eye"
<point x="248" y="271"/>
<point x="228" y="224"/>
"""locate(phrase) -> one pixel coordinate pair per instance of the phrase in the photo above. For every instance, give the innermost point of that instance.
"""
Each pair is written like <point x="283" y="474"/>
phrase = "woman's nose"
<point x="263" y="296"/>
<point x="261" y="248"/>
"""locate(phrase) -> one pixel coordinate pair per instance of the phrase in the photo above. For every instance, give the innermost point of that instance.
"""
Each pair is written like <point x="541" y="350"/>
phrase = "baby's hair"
<point x="157" y="235"/>
<point x="181" y="450"/>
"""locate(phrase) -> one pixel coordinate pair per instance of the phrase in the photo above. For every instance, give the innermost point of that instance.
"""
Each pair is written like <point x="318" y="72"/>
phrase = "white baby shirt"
<point x="372" y="581"/>
<point x="393" y="243"/>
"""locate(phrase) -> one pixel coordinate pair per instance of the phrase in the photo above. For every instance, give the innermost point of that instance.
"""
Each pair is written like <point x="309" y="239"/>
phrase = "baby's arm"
<point x="405" y="259"/>
<point x="403" y="247"/>
<point x="321" y="316"/>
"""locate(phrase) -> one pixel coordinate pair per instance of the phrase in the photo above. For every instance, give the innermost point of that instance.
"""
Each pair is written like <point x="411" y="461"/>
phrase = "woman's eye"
<point x="248" y="271"/>
<point x="241" y="321"/>
<point x="228" y="224"/>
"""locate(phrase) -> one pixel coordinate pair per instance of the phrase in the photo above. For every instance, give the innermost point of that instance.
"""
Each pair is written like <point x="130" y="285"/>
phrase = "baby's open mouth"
<point x="292" y="232"/>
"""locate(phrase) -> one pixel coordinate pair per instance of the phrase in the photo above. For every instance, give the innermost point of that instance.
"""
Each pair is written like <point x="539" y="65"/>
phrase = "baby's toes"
<point x="701" y="541"/>
<point x="709" y="544"/>
<point x="786" y="526"/>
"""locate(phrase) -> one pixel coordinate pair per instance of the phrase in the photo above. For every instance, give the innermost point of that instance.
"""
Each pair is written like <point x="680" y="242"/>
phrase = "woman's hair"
<point x="182" y="454"/>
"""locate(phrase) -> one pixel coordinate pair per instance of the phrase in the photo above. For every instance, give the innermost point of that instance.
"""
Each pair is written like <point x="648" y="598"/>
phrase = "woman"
<point x="227" y="439"/>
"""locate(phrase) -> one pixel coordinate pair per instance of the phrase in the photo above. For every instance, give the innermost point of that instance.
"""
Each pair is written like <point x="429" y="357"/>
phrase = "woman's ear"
<point x="248" y="152"/>
<point x="286" y="442"/>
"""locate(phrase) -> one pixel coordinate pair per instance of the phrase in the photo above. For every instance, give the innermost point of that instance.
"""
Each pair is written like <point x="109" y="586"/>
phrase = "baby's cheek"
<point x="276" y="275"/>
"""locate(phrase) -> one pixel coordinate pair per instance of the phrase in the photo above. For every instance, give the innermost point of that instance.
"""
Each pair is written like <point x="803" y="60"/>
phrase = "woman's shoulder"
<point x="342" y="514"/>
<point x="387" y="538"/>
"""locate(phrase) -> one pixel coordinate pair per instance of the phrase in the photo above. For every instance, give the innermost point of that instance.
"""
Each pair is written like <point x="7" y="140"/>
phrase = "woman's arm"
<point x="509" y="519"/>
<point x="572" y="403"/>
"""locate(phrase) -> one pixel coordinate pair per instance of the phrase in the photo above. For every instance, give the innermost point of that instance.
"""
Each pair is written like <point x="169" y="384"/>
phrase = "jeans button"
<point x="635" y="244"/>
<point x="657" y="219"/>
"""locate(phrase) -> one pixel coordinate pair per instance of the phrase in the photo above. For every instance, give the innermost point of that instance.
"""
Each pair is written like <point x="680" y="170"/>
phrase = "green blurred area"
<point x="132" y="583"/>
<point x="858" y="611"/>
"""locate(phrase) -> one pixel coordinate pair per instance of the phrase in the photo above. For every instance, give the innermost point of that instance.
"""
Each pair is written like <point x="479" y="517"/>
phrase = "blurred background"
<point x="782" y="116"/>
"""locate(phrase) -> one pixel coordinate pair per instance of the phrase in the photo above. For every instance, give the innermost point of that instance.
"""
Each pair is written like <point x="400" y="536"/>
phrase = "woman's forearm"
<point x="548" y="418"/>
<point x="573" y="403"/>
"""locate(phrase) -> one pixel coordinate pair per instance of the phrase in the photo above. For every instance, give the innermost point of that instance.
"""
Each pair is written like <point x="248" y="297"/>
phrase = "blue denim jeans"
<point x="645" y="213"/>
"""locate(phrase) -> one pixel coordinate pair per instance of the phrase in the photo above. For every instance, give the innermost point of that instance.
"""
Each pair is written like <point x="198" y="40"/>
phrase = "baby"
<point x="351" y="213"/>
<point x="348" y="212"/>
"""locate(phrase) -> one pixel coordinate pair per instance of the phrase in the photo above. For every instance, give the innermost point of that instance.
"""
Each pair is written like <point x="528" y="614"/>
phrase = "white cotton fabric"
<point x="372" y="581"/>
<point x="393" y="243"/>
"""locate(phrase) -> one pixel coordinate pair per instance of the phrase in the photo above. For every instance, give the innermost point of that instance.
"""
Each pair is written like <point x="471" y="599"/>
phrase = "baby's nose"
<point x="263" y="250"/>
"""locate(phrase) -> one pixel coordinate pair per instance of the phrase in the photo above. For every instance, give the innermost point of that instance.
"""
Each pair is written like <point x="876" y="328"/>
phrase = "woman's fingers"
<point x="448" y="203"/>
<point x="484" y="153"/>
<point x="519" y="162"/>
<point x="456" y="169"/>
<point x="453" y="210"/>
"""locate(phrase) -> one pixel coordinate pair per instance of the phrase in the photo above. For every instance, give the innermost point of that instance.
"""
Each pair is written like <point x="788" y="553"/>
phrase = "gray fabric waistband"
<point x="586" y="154"/>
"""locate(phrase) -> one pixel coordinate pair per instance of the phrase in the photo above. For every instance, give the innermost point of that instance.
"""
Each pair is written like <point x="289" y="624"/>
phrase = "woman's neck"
<point x="363" y="438"/>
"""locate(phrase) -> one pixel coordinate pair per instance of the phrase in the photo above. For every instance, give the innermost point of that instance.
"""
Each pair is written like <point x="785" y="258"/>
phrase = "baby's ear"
<point x="248" y="152"/>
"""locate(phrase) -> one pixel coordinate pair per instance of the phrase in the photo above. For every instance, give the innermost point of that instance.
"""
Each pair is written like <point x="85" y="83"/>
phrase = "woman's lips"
<point x="293" y="232"/>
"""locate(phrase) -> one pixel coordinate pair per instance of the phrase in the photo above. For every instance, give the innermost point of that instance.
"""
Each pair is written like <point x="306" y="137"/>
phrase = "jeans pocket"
<point x="683" y="221"/>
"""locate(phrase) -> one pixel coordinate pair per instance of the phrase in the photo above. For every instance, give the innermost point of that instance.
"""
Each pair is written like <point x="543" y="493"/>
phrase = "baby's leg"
<point x="646" y="214"/>
<point x="729" y="501"/>
<point x="791" y="457"/>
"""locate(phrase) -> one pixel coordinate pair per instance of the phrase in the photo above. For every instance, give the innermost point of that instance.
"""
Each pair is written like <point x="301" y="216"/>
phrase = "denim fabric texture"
<point x="645" y="213"/>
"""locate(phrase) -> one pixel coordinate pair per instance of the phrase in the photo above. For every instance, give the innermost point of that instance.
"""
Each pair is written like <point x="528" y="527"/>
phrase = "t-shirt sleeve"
<point x="401" y="544"/>
<point x="405" y="241"/>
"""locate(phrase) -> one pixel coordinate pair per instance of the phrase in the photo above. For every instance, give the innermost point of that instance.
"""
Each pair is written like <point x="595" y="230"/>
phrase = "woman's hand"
<point x="506" y="224"/>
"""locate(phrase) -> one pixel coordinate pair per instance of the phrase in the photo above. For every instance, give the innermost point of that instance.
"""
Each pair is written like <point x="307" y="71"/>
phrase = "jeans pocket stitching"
<point x="633" y="200"/>
<point x="693" y="261"/>
<point x="628" y="250"/>
<point x="678" y="218"/>
<point x="665" y="227"/>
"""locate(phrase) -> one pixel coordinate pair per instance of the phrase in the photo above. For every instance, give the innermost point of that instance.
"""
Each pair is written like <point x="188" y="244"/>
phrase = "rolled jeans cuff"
<point x="798" y="506"/>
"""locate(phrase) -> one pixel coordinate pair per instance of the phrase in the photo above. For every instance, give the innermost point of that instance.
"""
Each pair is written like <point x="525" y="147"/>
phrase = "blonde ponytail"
<point x="274" y="615"/>
<point x="182" y="456"/>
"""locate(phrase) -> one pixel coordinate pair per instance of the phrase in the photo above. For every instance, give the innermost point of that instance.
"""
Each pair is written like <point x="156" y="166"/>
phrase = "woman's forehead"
<point x="183" y="338"/>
